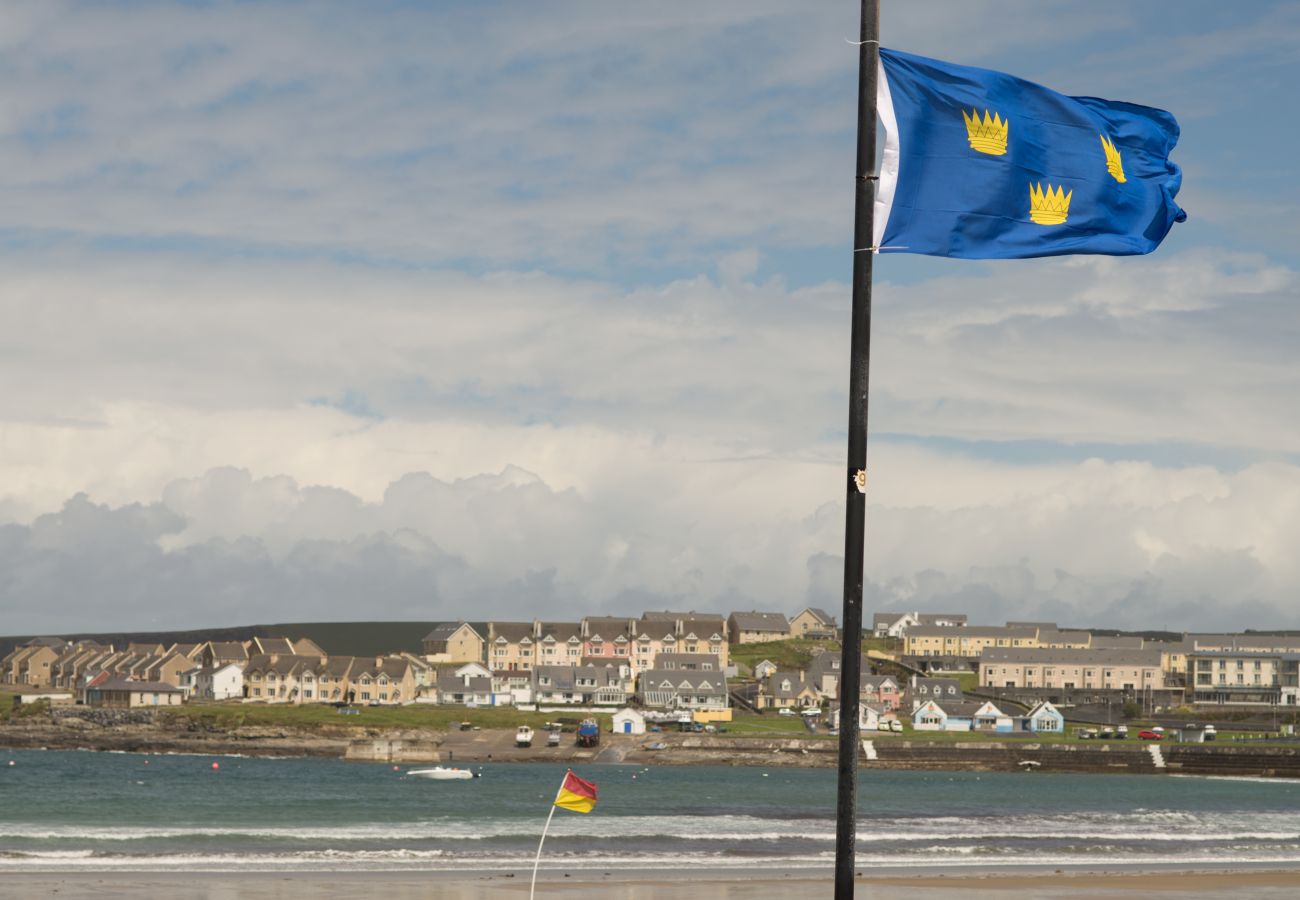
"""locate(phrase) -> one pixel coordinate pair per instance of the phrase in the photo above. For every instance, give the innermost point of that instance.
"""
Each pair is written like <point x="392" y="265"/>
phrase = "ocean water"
<point x="107" y="811"/>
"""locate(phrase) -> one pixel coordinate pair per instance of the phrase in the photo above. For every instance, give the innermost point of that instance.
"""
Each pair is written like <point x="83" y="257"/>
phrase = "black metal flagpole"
<point x="856" y="480"/>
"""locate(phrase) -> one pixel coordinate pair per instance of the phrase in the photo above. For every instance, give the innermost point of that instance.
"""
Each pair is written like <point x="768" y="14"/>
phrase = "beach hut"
<point x="629" y="721"/>
<point x="1043" y="718"/>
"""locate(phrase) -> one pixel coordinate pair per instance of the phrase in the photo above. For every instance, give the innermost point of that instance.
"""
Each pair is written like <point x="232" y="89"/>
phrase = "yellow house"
<point x="558" y="643"/>
<point x="812" y="622"/>
<point x="32" y="667"/>
<point x="454" y="642"/>
<point x="511" y="646"/>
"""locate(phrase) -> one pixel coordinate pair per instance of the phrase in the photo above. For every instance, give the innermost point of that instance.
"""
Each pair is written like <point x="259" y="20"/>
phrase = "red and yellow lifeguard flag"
<point x="576" y="794"/>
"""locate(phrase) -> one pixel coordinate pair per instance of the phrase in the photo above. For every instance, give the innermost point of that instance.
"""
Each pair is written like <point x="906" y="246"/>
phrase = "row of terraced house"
<point x="666" y="659"/>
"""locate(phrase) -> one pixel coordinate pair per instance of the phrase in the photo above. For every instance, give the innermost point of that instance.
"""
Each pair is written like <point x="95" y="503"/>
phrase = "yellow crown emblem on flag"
<point x="1050" y="207"/>
<point x="1114" y="164"/>
<point x="988" y="135"/>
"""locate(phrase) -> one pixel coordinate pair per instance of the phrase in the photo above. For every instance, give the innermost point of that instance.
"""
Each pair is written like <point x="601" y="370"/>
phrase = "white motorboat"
<point x="442" y="773"/>
<point x="524" y="736"/>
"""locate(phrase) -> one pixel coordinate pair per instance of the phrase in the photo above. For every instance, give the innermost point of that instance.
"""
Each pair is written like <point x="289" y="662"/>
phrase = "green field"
<point x="225" y="716"/>
<point x="795" y="653"/>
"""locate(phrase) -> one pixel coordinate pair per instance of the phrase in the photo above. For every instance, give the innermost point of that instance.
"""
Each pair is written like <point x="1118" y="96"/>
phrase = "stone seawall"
<point x="142" y="731"/>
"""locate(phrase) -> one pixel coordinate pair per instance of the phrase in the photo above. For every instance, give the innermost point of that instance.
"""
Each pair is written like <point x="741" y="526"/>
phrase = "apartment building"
<point x="1244" y="677"/>
<point x="968" y="642"/>
<point x="1130" y="671"/>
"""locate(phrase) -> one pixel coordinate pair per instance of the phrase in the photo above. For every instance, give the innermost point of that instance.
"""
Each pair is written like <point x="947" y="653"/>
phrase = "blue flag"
<point x="982" y="165"/>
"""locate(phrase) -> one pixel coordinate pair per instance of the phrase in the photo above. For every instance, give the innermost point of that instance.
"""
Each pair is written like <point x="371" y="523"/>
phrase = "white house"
<point x="933" y="716"/>
<point x="869" y="716"/>
<point x="220" y="682"/>
<point x="629" y="721"/>
<point x="989" y="718"/>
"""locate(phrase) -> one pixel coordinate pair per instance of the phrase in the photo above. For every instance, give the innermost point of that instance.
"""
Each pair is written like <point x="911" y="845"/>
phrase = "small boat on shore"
<point x="588" y="733"/>
<point x="442" y="773"/>
<point x="524" y="736"/>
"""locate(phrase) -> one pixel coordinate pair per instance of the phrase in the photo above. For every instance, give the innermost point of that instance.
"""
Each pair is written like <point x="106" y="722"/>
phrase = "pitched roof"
<point x="228" y="650"/>
<point x="654" y="679"/>
<point x="820" y="614"/>
<point x="963" y="709"/>
<point x="1123" y="642"/>
<point x="450" y="682"/>
<point x="974" y="631"/>
<point x="566" y="678"/>
<point x="934" y="687"/>
<point x="761" y="621"/>
<point x="513" y="632"/>
<point x="777" y="680"/>
<point x="825" y="664"/>
<point x="274" y="645"/>
<point x="307" y="647"/>
<point x="1069" y="656"/>
<point x="695" y="661"/>
<point x="1056" y="636"/>
<point x="669" y="616"/>
<point x="446" y="630"/>
<point x="561" y="631"/>
<point x="607" y="627"/>
<point x="703" y="628"/>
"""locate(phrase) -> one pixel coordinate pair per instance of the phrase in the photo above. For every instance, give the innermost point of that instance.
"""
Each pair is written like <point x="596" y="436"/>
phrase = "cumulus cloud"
<point x="1101" y="544"/>
<point x="408" y="314"/>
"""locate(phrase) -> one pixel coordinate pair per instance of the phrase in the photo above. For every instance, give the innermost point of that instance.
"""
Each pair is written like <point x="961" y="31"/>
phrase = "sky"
<point x="339" y="311"/>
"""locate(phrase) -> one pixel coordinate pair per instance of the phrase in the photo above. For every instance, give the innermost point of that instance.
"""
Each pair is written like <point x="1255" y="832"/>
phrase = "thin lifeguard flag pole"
<point x="554" y="806"/>
<point x="856" y="480"/>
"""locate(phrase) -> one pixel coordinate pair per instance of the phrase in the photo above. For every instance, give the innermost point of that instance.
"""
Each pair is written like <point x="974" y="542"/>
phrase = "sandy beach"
<point x="587" y="885"/>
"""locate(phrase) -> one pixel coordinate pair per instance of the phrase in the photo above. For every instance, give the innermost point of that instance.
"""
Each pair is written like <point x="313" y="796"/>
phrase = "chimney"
<point x="275" y="658"/>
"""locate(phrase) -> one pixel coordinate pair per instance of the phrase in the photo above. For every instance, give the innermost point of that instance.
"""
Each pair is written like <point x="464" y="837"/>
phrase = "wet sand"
<point x="589" y="885"/>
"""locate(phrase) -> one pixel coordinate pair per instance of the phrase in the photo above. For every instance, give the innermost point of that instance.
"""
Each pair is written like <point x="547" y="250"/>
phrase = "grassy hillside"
<point x="341" y="638"/>
<point x="795" y="653"/>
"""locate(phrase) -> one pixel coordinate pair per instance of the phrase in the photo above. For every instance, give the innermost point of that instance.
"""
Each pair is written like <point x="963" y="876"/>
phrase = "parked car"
<point x="1148" y="734"/>
<point x="787" y="712"/>
<point x="1121" y="732"/>
<point x="1210" y="733"/>
<point x="895" y="725"/>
